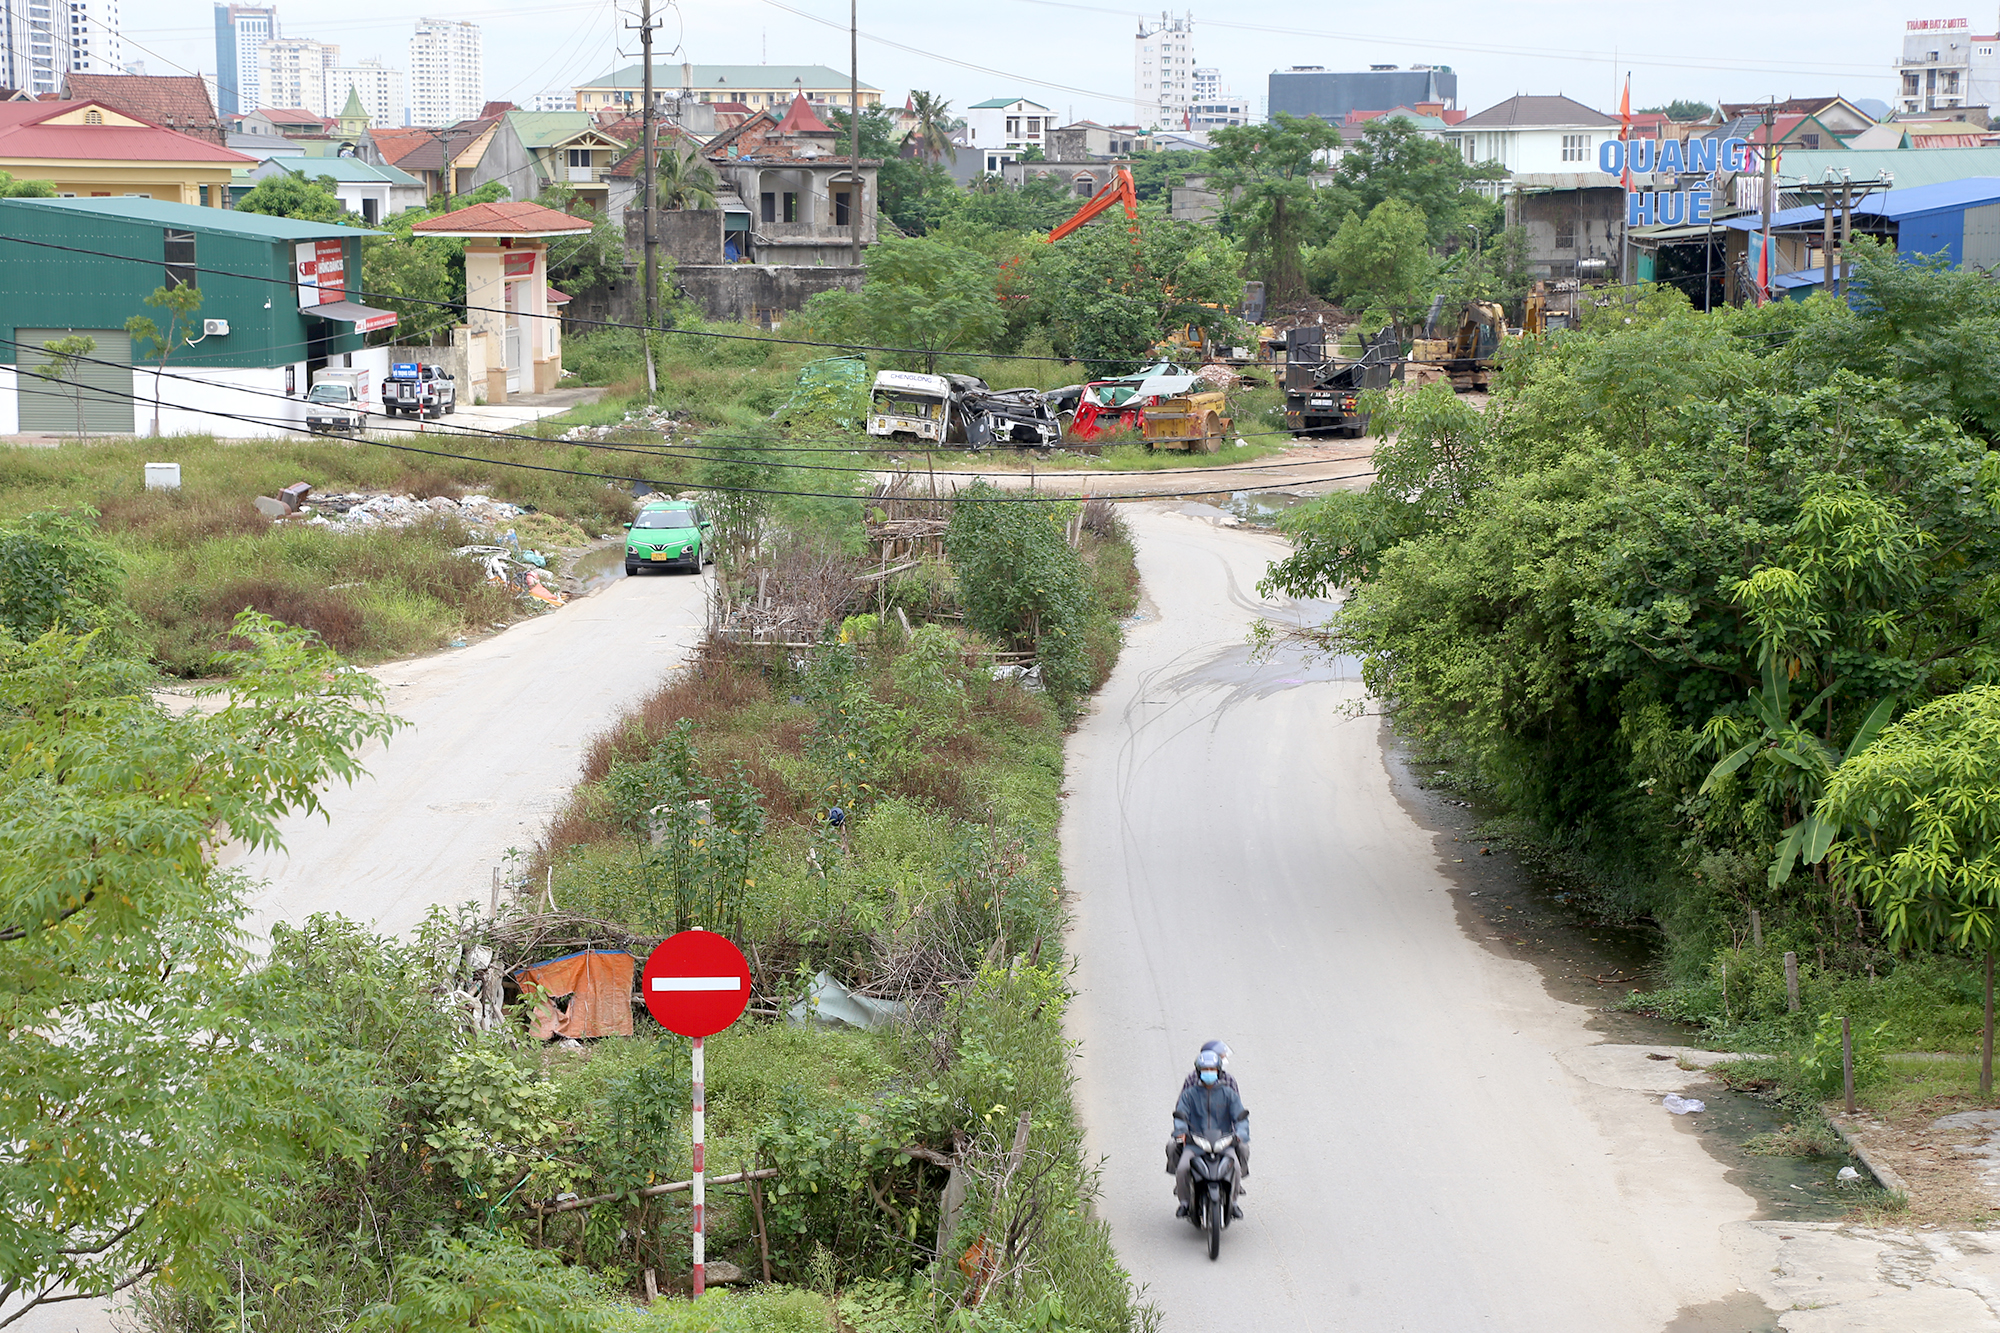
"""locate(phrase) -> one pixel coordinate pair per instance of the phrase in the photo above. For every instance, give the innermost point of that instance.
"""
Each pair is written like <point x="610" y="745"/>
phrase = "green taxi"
<point x="667" y="534"/>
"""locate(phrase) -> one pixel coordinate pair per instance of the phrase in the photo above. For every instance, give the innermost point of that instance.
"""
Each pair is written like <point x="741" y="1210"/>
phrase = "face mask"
<point x="1208" y="1076"/>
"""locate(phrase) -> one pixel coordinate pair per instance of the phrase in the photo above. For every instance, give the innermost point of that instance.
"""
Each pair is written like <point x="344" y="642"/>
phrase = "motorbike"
<point x="1211" y="1186"/>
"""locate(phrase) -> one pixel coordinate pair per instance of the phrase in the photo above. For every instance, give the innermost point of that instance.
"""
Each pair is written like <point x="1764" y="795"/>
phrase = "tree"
<point x="55" y="574"/>
<point x="146" y="1112"/>
<point x="423" y="281"/>
<point x="1383" y="260"/>
<point x="1024" y="586"/>
<point x="296" y="195"/>
<point x="179" y="302"/>
<point x="1395" y="160"/>
<point x="932" y="134"/>
<point x="1108" y="298"/>
<point x="927" y="296"/>
<point x="12" y="188"/>
<point x="1924" y="805"/>
<point x="1681" y="108"/>
<point x="1266" y="173"/>
<point x="67" y="356"/>
<point x="597" y="258"/>
<point x="683" y="178"/>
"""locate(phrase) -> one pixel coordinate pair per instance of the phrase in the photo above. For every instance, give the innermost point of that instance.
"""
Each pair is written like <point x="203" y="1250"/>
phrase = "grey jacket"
<point x="1211" y="1112"/>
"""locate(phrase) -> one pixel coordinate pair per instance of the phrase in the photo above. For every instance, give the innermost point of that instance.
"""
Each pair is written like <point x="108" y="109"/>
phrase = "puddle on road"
<point x="1593" y="962"/>
<point x="1261" y="509"/>
<point x="595" y="569"/>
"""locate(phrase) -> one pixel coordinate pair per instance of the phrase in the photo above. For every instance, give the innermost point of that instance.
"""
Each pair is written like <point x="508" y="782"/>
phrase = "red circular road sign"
<point x="696" y="983"/>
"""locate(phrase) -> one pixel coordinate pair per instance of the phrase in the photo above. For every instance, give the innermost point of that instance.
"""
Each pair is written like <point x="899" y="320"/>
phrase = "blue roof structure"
<point x="1890" y="205"/>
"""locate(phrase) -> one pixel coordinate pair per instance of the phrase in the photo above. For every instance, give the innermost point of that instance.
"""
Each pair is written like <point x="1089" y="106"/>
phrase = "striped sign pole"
<point x="697" y="984"/>
<point x="700" y="1197"/>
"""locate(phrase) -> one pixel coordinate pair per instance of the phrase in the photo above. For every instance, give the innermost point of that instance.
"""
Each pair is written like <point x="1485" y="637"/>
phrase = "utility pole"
<point x="1846" y="229"/>
<point x="649" y="192"/>
<point x="1826" y="239"/>
<point x="1768" y="266"/>
<point x="854" y="125"/>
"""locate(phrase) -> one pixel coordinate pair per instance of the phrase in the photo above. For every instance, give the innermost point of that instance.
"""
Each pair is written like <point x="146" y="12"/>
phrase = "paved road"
<point x="497" y="732"/>
<point x="1317" y="465"/>
<point x="1439" y="1145"/>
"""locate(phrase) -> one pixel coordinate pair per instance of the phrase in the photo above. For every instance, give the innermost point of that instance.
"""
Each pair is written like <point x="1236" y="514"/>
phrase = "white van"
<point x="907" y="406"/>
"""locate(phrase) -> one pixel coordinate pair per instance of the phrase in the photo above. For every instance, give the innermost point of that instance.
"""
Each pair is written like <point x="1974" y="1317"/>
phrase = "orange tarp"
<point x="598" y="983"/>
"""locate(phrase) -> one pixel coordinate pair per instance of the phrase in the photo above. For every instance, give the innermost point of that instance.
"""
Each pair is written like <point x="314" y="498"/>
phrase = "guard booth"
<point x="509" y="309"/>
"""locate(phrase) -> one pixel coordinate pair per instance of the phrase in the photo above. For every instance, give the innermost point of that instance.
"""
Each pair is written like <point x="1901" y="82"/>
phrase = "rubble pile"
<point x="651" y="418"/>
<point x="399" y="511"/>
<point x="1218" y="376"/>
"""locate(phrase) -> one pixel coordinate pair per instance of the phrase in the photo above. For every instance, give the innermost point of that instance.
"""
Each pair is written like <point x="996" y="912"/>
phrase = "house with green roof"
<point x="279" y="303"/>
<point x="1000" y="129"/>
<point x="369" y="190"/>
<point x="569" y="148"/>
<point x="758" y="87"/>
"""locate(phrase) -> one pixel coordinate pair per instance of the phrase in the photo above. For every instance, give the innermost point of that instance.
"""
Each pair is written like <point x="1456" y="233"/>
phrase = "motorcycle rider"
<point x="1209" y="1109"/>
<point x="1222" y="1053"/>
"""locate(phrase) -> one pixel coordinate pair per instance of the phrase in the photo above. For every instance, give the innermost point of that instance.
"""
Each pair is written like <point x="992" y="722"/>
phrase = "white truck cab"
<point x="906" y="405"/>
<point x="338" y="401"/>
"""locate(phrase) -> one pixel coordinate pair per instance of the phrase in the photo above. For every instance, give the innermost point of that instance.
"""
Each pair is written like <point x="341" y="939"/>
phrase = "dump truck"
<point x="1323" y="392"/>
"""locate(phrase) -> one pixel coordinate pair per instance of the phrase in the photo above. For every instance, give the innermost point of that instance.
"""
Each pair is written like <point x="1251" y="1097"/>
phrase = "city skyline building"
<point x="94" y="44"/>
<point x="380" y="88"/>
<point x="1163" y="82"/>
<point x="296" y="73"/>
<point x="240" y="34"/>
<point x="447" y="78"/>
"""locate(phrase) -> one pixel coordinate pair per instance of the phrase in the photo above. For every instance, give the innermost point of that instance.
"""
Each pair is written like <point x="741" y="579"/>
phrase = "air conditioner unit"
<point x="215" y="326"/>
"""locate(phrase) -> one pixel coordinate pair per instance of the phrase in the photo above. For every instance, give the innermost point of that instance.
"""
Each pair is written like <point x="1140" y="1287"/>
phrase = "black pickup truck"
<point x="419" y="390"/>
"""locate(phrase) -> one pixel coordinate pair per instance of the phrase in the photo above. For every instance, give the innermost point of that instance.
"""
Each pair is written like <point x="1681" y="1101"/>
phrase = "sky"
<point x="1076" y="57"/>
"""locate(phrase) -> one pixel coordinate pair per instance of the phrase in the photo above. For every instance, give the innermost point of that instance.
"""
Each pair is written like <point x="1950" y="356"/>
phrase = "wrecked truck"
<point x="959" y="409"/>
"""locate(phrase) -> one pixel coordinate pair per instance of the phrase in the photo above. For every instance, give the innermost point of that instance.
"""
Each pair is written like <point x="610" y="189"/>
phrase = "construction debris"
<point x="356" y="510"/>
<point x="639" y="420"/>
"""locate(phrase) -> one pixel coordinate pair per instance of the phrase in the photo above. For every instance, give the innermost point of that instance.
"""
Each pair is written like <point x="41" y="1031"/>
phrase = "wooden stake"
<point x="1791" y="981"/>
<point x="1847" y="1062"/>
<point x="652" y="1287"/>
<point x="1756" y="930"/>
<point x="495" y="912"/>
<point x="1986" y="1042"/>
<point x="763" y="1237"/>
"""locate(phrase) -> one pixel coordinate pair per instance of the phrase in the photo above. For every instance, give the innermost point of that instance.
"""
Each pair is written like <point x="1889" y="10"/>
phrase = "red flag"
<point x="1625" y="130"/>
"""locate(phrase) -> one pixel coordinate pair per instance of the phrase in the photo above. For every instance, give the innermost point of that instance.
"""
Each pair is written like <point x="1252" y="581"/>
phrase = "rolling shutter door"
<point x="1982" y="237"/>
<point x="49" y="407"/>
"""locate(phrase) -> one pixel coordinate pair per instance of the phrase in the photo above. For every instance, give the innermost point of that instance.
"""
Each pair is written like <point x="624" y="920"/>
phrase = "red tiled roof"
<point x="174" y="101"/>
<point x="508" y="217"/>
<point x="800" y="119"/>
<point x="492" y="109"/>
<point x="22" y="134"/>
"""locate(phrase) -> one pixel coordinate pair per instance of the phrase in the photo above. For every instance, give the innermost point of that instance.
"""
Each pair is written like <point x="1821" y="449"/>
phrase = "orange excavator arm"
<point x="1119" y="190"/>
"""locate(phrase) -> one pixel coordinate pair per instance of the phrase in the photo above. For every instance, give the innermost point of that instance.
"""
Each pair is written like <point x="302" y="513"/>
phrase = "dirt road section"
<point x="1439" y="1143"/>
<point x="1319" y="466"/>
<point x="497" y="731"/>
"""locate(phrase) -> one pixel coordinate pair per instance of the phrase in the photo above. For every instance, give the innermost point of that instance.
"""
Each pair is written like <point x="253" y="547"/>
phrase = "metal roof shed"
<point x="1958" y="218"/>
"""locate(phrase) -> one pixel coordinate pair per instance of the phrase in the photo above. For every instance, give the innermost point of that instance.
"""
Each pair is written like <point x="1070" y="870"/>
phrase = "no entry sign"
<point x="696" y="983"/>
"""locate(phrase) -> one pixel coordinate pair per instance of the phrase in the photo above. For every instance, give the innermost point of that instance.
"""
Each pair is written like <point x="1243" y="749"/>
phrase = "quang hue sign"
<point x="1696" y="157"/>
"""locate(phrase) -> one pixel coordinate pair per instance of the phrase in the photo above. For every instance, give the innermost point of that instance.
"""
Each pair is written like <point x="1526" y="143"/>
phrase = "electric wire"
<point x="690" y="451"/>
<point x="998" y="496"/>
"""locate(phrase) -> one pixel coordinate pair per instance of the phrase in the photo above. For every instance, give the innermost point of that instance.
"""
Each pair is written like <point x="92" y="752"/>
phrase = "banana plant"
<point x="1806" y="762"/>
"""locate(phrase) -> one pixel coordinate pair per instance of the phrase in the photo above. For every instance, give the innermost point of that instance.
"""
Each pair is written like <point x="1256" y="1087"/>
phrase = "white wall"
<point x="255" y="398"/>
<point x="10" y="401"/>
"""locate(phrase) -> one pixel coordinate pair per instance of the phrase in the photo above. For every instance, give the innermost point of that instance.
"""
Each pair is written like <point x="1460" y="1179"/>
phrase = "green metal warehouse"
<point x="274" y="309"/>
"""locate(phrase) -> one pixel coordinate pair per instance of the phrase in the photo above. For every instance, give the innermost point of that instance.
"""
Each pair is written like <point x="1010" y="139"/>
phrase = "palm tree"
<point x="683" y="178"/>
<point x="935" y="126"/>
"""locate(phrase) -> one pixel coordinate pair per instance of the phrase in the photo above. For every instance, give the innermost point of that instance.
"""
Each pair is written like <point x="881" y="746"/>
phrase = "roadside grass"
<point x="193" y="558"/>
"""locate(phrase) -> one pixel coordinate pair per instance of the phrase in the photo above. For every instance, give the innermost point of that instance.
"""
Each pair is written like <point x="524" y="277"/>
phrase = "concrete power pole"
<point x="649" y="192"/>
<point x="854" y="125"/>
<point x="1768" y="261"/>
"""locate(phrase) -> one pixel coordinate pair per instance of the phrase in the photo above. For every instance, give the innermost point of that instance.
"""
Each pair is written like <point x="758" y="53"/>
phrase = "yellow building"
<point x="87" y="149"/>
<point x="755" y="86"/>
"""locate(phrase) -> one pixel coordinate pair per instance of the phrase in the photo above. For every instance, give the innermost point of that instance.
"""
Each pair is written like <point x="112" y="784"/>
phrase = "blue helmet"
<point x="1208" y="1060"/>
